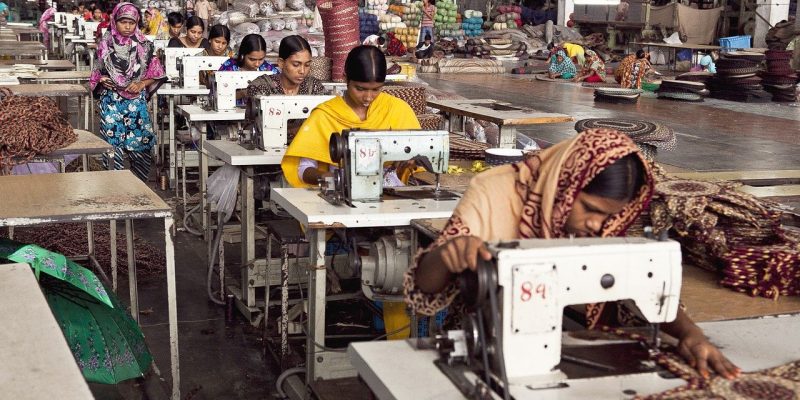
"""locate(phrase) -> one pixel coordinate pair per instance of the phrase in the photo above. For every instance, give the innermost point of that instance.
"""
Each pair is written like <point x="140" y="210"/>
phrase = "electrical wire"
<point x="213" y="258"/>
<point x="285" y="375"/>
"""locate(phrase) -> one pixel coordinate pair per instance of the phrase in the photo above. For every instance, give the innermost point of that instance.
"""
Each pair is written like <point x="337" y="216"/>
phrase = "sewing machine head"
<point x="89" y="28"/>
<point x="70" y="22"/>
<point x="361" y="155"/>
<point x="522" y="292"/>
<point x="171" y="56"/>
<point x="273" y="113"/>
<point x="224" y="84"/>
<point x="191" y="67"/>
<point x="60" y="17"/>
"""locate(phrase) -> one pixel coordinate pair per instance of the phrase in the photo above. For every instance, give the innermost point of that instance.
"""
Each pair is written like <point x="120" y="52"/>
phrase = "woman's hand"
<point x="695" y="348"/>
<point x="107" y="82"/>
<point x="462" y="253"/>
<point x="135" y="87"/>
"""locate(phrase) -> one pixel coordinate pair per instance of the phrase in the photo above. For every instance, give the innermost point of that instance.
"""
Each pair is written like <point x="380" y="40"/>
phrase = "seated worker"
<point x="561" y="67"/>
<point x="251" y="56"/>
<point x="395" y="47"/>
<point x="594" y="70"/>
<point x="707" y="62"/>
<point x="218" y="38"/>
<point x="575" y="52"/>
<point x="363" y="106"/>
<point x="194" y="35"/>
<point x="424" y="49"/>
<point x="175" y="21"/>
<point x="294" y="63"/>
<point x="593" y="185"/>
<point x="632" y="69"/>
<point x="374" y="40"/>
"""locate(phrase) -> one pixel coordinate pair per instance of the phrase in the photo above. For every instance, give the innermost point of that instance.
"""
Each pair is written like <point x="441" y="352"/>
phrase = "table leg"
<point x="508" y="137"/>
<point x="86" y="113"/>
<point x="316" y="304"/>
<point x="113" y="244"/>
<point x="284" y="325"/>
<point x="248" y="219"/>
<point x="132" y="270"/>
<point x="203" y="159"/>
<point x="173" y="172"/>
<point x="169" y="251"/>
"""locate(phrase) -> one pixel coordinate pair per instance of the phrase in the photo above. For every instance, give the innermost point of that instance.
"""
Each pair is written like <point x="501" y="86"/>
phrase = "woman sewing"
<point x="594" y="185"/>
<point x="632" y="69"/>
<point x="594" y="70"/>
<point x="363" y="106"/>
<point x="251" y="56"/>
<point x="219" y="36"/>
<point x="194" y="35"/>
<point x="561" y="66"/>
<point x="126" y="74"/>
<point x="294" y="64"/>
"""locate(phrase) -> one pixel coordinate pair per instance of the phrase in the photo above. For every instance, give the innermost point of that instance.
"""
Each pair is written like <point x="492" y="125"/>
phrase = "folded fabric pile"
<point x="724" y="230"/>
<point x="472" y="24"/>
<point x="649" y="136"/>
<point x="367" y="24"/>
<point x="448" y="21"/>
<point x="780" y="79"/>
<point x="509" y="17"/>
<point x="617" y="95"/>
<point x="682" y="90"/>
<point x="737" y="79"/>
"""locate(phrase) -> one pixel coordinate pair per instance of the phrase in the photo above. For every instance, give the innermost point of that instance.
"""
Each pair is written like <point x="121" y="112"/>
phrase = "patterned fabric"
<point x="565" y="69"/>
<point x="596" y="64"/>
<point x="533" y="199"/>
<point x="125" y="59"/>
<point x="630" y="71"/>
<point x="47" y="16"/>
<point x="233" y="65"/>
<point x="394" y="46"/>
<point x="31" y="126"/>
<point x="140" y="162"/>
<point x="126" y="122"/>
<point x="413" y="95"/>
<point x="268" y="85"/>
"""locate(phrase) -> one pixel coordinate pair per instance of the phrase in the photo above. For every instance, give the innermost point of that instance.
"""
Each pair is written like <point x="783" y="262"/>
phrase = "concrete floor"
<point x="227" y="363"/>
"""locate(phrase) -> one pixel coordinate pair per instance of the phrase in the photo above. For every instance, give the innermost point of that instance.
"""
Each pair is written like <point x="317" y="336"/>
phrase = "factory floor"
<point x="219" y="362"/>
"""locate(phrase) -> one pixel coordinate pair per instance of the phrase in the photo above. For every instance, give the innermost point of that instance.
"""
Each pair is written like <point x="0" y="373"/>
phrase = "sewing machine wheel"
<point x="475" y="285"/>
<point x="472" y="335"/>
<point x="336" y="146"/>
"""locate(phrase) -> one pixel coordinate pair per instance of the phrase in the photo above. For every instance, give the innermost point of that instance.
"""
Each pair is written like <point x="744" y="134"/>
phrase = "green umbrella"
<point x="55" y="265"/>
<point x="106" y="342"/>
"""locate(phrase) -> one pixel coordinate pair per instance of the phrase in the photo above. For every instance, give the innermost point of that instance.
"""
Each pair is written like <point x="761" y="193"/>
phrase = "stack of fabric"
<point x="649" y="136"/>
<point x="737" y="79"/>
<point x="682" y="90"/>
<point x="367" y="24"/>
<point x="617" y="95"/>
<point x="780" y="79"/>
<point x="725" y="230"/>
<point x="510" y="17"/>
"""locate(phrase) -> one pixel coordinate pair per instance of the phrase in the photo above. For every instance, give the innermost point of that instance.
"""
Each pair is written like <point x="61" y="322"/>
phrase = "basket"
<point x="340" y="23"/>
<point x="736" y="42"/>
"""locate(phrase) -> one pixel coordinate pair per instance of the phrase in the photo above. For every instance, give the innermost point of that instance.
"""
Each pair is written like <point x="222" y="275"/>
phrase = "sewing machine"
<point x="89" y="28"/>
<point x="171" y="56"/>
<point x="515" y="304"/>
<point x="224" y="85"/>
<point x="192" y="66"/>
<point x="70" y="21"/>
<point x="361" y="156"/>
<point x="272" y="115"/>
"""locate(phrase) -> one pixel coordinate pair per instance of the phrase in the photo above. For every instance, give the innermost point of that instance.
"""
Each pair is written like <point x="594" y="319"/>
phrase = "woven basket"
<point x="430" y="122"/>
<point x="321" y="68"/>
<point x="340" y="22"/>
<point x="413" y="95"/>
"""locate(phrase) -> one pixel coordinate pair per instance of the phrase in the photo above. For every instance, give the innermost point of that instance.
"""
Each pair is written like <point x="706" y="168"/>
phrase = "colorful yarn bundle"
<point x="340" y="22"/>
<point x="412" y="14"/>
<point x="409" y="36"/>
<point x="472" y="23"/>
<point x="367" y="24"/>
<point x="448" y="21"/>
<point x="390" y="22"/>
<point x="376" y="7"/>
<point x="511" y="16"/>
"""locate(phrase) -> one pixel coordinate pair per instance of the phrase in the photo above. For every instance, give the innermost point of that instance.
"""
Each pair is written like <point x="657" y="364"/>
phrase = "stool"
<point x="285" y="232"/>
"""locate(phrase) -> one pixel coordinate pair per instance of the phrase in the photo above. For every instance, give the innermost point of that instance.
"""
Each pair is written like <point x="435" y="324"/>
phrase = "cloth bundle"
<point x="473" y="25"/>
<point x="448" y="21"/>
<point x="246" y="28"/>
<point x="724" y="230"/>
<point x="390" y="22"/>
<point x="376" y="7"/>
<point x="30" y="126"/>
<point x="408" y="36"/>
<point x="367" y="25"/>
<point x="779" y="78"/>
<point x="340" y="22"/>
<point x="412" y="14"/>
<point x="279" y="5"/>
<point x="511" y="16"/>
<point x="682" y="90"/>
<point x="265" y="7"/>
<point x="247" y="7"/>
<point x="264" y="26"/>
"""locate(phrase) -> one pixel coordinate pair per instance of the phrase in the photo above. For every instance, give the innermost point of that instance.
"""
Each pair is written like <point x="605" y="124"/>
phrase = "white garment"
<point x="371" y="40"/>
<point x="201" y="9"/>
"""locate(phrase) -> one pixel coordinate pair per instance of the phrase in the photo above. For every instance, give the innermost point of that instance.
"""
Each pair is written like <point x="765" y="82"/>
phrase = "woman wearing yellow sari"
<point x="363" y="106"/>
<point x="156" y="23"/>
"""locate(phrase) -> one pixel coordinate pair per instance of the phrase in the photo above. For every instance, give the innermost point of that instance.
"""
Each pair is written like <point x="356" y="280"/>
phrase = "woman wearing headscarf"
<point x="594" y="70"/>
<point x="632" y="69"/>
<point x="126" y="74"/>
<point x="593" y="185"/>
<point x="105" y="23"/>
<point x="561" y="66"/>
<point x="47" y="16"/>
<point x="156" y="24"/>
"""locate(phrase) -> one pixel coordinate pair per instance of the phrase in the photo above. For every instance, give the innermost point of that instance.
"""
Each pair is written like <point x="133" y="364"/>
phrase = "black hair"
<point x="73" y="9"/>
<point x="219" y="30"/>
<point x="551" y="46"/>
<point x="193" y="21"/>
<point x="365" y="64"/>
<point x="619" y="181"/>
<point x="175" y="18"/>
<point x="428" y="36"/>
<point x="381" y="40"/>
<point x="81" y="4"/>
<point x="291" y="45"/>
<point x="640" y="53"/>
<point x="250" y="43"/>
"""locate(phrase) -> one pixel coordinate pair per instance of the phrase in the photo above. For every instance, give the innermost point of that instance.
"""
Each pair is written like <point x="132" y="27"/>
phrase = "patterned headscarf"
<point x="596" y="63"/>
<point x="631" y="70"/>
<point x="125" y="59"/>
<point x="566" y="66"/>
<point x="47" y="15"/>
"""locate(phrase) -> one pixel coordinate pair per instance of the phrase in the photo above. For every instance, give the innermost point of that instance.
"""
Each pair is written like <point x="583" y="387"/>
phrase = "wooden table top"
<point x="42" y="64"/>
<point x="498" y="112"/>
<point x="76" y="197"/>
<point x="691" y="46"/>
<point x="87" y="143"/>
<point x="49" y="90"/>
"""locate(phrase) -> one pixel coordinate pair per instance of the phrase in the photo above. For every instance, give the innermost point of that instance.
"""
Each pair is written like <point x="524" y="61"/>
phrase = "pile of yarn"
<point x="390" y="22"/>
<point x="472" y="23"/>
<point x="448" y="21"/>
<point x="367" y="24"/>
<point x="509" y="17"/>
<point x="376" y="7"/>
<point x="412" y="14"/>
<point x="409" y="36"/>
<point x="780" y="79"/>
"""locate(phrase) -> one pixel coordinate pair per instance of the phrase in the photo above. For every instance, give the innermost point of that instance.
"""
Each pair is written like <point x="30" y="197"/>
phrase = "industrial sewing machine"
<point x="224" y="85"/>
<point x="160" y="44"/>
<point x="272" y="115"/>
<point x="171" y="56"/>
<point x="361" y="156"/>
<point x="191" y="67"/>
<point x="512" y="331"/>
<point x="88" y="29"/>
<point x="69" y="20"/>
